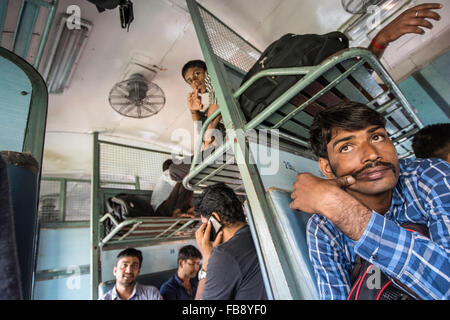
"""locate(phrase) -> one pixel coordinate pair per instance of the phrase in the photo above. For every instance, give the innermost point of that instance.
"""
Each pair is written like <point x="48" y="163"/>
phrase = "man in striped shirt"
<point x="369" y="193"/>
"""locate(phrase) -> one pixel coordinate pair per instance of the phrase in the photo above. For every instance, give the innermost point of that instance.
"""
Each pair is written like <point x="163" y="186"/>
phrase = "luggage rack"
<point x="148" y="229"/>
<point x="278" y="232"/>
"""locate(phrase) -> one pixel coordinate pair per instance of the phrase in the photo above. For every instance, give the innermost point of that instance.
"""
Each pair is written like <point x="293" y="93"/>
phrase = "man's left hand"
<point x="205" y="245"/>
<point x="409" y="21"/>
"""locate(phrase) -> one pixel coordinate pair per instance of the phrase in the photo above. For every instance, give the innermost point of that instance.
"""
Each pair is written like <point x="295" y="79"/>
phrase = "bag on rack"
<point x="290" y="50"/>
<point x="123" y="206"/>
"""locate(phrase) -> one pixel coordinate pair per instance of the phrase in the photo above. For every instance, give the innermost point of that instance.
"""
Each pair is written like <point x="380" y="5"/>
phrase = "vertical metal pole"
<point x="45" y="32"/>
<point x="3" y="10"/>
<point x="95" y="232"/>
<point x="62" y="199"/>
<point x="137" y="184"/>
<point x="24" y="28"/>
<point x="281" y="279"/>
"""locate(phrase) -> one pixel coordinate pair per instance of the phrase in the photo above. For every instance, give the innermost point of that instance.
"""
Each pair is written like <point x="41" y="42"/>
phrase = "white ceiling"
<point x="163" y="33"/>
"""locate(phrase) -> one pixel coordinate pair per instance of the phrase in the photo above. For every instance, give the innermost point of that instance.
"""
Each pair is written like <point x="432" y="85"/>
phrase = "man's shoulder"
<point x="108" y="295"/>
<point x="241" y="241"/>
<point x="428" y="171"/>
<point x="419" y="166"/>
<point x="170" y="283"/>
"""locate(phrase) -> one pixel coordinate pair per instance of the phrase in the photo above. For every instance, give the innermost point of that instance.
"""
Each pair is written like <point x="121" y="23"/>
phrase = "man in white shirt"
<point x="163" y="187"/>
<point x="170" y="198"/>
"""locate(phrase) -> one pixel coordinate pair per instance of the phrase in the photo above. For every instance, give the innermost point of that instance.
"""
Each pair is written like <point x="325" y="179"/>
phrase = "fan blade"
<point x="151" y="104"/>
<point x="139" y="112"/>
<point x="124" y="90"/>
<point x="148" y="109"/>
<point x="130" y="108"/>
<point x="155" y="96"/>
<point x="124" y="107"/>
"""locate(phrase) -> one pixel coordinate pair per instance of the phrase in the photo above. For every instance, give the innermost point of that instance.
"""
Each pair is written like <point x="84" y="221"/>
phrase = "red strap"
<point x="353" y="289"/>
<point x="362" y="280"/>
<point x="376" y="45"/>
<point x="382" y="289"/>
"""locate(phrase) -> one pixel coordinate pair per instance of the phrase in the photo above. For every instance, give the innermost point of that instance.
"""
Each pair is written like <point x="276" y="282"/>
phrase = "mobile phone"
<point x="216" y="226"/>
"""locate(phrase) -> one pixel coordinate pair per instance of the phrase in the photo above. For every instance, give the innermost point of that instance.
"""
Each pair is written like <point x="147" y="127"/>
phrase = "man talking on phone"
<point x="230" y="269"/>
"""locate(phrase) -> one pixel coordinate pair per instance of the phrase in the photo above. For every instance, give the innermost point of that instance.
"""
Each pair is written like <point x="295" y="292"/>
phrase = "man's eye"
<point x="345" y="148"/>
<point x="378" y="137"/>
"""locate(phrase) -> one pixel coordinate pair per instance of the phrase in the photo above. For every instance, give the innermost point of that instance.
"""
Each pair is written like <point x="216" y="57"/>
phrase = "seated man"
<point x="230" y="269"/>
<point x="360" y="209"/>
<point x="126" y="270"/>
<point x="433" y="141"/>
<point x="183" y="284"/>
<point x="170" y="198"/>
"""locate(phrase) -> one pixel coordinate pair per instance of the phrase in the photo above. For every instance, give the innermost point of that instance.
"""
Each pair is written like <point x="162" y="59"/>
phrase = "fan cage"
<point x="128" y="99"/>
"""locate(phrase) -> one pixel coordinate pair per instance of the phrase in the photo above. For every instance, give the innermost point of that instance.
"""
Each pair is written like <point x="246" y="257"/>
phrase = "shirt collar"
<point x="115" y="295"/>
<point x="178" y="280"/>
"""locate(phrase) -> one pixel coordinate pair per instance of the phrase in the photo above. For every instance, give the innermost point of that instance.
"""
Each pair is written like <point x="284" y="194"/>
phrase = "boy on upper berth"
<point x="363" y="206"/>
<point x="202" y="100"/>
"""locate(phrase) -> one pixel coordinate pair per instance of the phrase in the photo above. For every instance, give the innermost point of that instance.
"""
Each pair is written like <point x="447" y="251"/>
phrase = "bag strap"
<point x="360" y="265"/>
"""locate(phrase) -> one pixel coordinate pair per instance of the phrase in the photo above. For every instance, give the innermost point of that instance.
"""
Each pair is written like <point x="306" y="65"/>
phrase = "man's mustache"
<point x="373" y="165"/>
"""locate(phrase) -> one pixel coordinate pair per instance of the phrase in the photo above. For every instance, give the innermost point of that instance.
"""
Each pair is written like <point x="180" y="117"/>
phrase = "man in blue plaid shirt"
<point x="369" y="193"/>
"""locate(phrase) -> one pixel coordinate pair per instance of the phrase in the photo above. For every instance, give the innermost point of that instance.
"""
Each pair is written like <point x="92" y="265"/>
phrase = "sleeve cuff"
<point x="363" y="246"/>
<point x="385" y="244"/>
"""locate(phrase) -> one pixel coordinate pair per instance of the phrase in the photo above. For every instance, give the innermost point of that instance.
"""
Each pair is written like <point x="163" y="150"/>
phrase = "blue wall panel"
<point x="71" y="288"/>
<point x="428" y="90"/>
<point x="59" y="248"/>
<point x="14" y="105"/>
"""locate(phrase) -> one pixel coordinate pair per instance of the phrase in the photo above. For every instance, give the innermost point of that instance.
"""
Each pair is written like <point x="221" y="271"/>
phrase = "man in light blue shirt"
<point x="126" y="270"/>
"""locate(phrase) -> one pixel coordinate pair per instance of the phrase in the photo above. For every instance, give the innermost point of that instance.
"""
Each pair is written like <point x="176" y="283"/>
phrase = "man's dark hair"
<point x="221" y="199"/>
<point x="432" y="141"/>
<point x="166" y="164"/>
<point x="349" y="116"/>
<point x="193" y="64"/>
<point x="130" y="252"/>
<point x="189" y="252"/>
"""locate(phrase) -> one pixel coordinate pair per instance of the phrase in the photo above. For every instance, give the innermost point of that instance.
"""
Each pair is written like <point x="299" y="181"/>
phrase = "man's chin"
<point x="128" y="283"/>
<point x="372" y="187"/>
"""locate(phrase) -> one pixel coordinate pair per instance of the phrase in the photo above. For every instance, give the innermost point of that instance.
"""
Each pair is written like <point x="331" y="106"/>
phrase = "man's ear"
<point x="325" y="167"/>
<point x="216" y="215"/>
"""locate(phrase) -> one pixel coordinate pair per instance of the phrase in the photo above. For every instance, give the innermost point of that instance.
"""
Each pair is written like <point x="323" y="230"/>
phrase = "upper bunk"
<point x="353" y="74"/>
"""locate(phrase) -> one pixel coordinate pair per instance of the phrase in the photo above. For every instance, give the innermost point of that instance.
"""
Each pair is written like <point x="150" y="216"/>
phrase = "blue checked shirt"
<point x="422" y="195"/>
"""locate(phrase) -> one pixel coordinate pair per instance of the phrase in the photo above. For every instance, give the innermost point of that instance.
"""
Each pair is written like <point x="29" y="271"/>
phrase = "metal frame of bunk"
<point x="134" y="232"/>
<point x="343" y="76"/>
